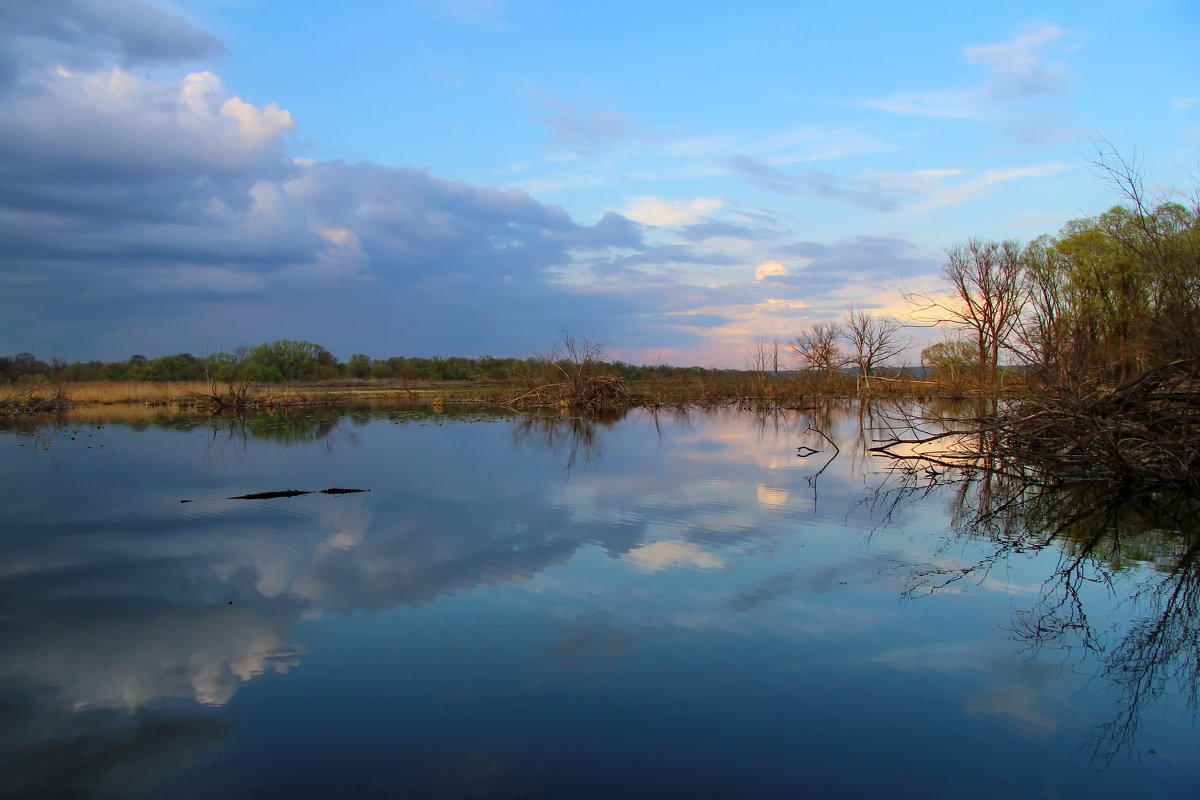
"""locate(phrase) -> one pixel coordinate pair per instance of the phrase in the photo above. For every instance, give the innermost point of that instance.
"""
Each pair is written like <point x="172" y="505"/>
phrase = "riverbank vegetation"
<point x="1103" y="320"/>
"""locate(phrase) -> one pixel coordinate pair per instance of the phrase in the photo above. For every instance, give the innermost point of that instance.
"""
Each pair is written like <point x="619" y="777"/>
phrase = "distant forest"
<point x="287" y="360"/>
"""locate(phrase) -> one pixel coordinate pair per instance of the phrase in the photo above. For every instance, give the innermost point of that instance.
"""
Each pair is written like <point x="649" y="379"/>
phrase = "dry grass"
<point x="742" y="391"/>
<point x="140" y="392"/>
<point x="193" y="394"/>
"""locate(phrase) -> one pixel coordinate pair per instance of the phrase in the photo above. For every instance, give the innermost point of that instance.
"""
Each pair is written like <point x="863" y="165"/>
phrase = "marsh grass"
<point x="198" y="394"/>
<point x="137" y="392"/>
<point x="747" y="390"/>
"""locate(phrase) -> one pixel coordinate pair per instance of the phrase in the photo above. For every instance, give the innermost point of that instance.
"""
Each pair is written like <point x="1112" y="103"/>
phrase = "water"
<point x="657" y="606"/>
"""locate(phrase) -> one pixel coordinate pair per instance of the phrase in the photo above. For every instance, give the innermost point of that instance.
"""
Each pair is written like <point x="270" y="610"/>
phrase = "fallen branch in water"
<point x="1146" y="430"/>
<point x="294" y="493"/>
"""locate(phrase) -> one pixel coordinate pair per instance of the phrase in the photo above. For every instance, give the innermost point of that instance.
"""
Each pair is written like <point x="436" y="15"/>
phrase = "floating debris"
<point x="291" y="493"/>
<point x="271" y="495"/>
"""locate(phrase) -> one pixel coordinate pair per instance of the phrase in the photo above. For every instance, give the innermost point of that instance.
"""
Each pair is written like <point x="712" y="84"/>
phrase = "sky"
<point x="471" y="177"/>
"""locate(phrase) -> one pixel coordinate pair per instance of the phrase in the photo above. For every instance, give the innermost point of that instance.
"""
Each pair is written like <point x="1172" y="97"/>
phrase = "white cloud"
<point x="1017" y="73"/>
<point x="138" y="125"/>
<point x="1018" y="55"/>
<point x="772" y="498"/>
<point x="934" y="188"/>
<point x="669" y="213"/>
<point x="255" y="124"/>
<point x="658" y="556"/>
<point x="768" y="268"/>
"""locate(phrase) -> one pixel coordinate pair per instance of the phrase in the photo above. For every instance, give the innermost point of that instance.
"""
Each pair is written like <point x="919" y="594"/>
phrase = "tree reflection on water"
<point x="573" y="437"/>
<point x="1105" y="536"/>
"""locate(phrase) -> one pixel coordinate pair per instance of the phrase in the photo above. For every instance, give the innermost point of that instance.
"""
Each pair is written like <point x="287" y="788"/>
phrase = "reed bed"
<point x="137" y="392"/>
<point x="754" y="391"/>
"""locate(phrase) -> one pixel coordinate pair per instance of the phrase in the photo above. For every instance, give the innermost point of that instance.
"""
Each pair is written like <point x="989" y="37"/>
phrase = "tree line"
<point x="286" y="360"/>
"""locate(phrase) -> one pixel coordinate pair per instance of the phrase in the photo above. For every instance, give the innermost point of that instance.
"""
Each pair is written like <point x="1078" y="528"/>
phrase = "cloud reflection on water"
<point x="692" y="532"/>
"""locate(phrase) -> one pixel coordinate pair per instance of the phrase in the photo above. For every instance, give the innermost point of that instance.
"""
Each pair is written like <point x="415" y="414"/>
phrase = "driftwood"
<point x="293" y="493"/>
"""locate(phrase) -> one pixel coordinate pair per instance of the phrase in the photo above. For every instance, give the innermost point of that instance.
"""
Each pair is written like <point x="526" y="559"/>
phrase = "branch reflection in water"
<point x="573" y="437"/>
<point x="1102" y="532"/>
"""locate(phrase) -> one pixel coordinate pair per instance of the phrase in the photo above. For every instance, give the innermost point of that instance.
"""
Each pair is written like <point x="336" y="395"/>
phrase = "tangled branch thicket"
<point x="571" y="375"/>
<point x="37" y="398"/>
<point x="1145" y="429"/>
<point x="592" y="393"/>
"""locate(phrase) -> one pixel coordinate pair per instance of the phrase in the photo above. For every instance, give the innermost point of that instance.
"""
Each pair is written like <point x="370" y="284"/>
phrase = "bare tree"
<point x="764" y="358"/>
<point x="571" y="374"/>
<point x="818" y="348"/>
<point x="988" y="292"/>
<point x="875" y="339"/>
<point x="577" y="359"/>
<point x="760" y="354"/>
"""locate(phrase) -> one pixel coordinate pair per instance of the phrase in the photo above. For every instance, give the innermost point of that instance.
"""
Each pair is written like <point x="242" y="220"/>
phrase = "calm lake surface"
<point x="661" y="605"/>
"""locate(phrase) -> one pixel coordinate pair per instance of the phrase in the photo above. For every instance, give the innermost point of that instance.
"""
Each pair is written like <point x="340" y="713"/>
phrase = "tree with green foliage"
<point x="1119" y="292"/>
<point x="951" y="360"/>
<point x="359" y="365"/>
<point x="292" y="360"/>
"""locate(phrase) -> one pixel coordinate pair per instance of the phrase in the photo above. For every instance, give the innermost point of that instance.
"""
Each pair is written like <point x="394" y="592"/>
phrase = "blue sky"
<point x="469" y="177"/>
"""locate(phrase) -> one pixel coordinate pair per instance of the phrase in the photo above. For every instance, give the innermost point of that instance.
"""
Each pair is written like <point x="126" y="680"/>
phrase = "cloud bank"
<point x="147" y="206"/>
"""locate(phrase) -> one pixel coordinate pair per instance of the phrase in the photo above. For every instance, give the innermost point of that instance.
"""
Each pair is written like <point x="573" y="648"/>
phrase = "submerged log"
<point x="291" y="493"/>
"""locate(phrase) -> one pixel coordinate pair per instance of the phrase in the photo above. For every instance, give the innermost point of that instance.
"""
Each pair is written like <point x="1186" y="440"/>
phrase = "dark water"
<point x="657" y="606"/>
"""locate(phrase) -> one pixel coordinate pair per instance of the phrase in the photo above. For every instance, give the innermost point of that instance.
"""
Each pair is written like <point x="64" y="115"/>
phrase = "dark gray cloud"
<point x="853" y="192"/>
<point x="409" y="221"/>
<point x="92" y="33"/>
<point x="181" y="198"/>
<point x="50" y="750"/>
